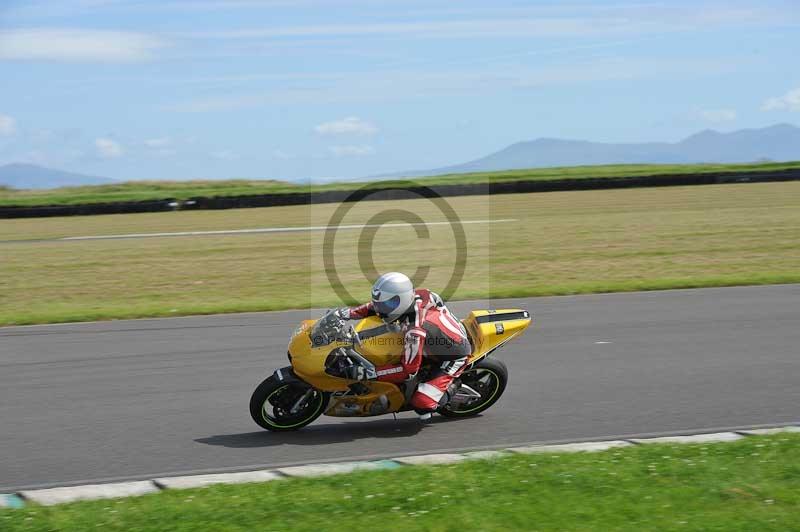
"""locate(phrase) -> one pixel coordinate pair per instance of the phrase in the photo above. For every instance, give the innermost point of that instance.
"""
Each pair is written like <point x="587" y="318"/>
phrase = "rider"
<point x="429" y="330"/>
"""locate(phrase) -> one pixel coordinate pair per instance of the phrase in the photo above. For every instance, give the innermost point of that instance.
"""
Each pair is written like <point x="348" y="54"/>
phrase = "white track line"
<point x="274" y="230"/>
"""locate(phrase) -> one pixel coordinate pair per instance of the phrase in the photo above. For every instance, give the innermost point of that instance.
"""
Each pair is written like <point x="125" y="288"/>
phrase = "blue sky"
<point x="297" y="89"/>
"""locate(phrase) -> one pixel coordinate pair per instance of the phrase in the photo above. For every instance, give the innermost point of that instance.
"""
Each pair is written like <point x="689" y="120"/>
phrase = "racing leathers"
<point x="429" y="331"/>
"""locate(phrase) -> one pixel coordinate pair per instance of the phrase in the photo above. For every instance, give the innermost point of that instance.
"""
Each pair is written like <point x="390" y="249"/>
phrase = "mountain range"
<point x="780" y="142"/>
<point x="19" y="175"/>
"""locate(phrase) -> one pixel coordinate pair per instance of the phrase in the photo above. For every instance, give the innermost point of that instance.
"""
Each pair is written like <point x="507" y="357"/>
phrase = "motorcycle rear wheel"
<point x="488" y="377"/>
<point x="273" y="400"/>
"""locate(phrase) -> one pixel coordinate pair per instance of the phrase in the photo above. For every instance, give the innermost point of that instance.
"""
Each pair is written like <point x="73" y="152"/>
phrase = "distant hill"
<point x="22" y="176"/>
<point x="780" y="142"/>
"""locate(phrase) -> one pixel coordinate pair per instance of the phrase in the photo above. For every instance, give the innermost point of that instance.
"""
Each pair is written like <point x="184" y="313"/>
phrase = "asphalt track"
<point x="134" y="399"/>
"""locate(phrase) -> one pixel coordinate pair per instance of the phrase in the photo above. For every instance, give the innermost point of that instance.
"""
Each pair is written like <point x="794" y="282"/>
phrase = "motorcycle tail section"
<point x="489" y="329"/>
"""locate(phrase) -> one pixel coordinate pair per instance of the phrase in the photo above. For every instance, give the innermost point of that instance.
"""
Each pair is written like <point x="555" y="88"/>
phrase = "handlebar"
<point x="333" y="328"/>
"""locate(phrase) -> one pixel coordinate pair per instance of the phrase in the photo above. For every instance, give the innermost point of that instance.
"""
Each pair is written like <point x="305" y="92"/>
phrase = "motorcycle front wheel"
<point x="481" y="387"/>
<point x="283" y="406"/>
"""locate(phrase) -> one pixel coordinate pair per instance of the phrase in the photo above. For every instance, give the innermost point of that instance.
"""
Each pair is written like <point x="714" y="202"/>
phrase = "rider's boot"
<point x="424" y="416"/>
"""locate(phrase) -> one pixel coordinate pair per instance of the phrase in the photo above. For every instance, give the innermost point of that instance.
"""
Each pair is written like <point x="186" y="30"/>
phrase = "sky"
<point x="336" y="89"/>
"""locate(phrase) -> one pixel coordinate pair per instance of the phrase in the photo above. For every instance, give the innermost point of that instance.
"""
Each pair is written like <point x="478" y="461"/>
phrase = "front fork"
<point x="301" y="402"/>
<point x="287" y="375"/>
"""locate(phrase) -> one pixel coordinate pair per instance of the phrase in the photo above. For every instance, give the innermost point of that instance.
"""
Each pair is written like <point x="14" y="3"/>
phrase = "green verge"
<point x="66" y="314"/>
<point x="560" y="243"/>
<point x="751" y="484"/>
<point x="154" y="190"/>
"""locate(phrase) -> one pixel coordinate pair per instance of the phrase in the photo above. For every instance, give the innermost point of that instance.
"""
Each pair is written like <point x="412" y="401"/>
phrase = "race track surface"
<point x="134" y="399"/>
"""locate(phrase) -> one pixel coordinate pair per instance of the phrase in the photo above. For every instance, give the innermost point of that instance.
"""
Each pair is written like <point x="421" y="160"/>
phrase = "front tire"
<point x="488" y="377"/>
<point x="273" y="400"/>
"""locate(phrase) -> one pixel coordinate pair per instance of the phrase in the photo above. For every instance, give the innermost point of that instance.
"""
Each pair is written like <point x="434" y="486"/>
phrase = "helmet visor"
<point x="384" y="308"/>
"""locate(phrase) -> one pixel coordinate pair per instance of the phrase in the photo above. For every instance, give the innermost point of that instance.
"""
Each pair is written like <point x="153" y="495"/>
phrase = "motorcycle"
<point x="333" y="365"/>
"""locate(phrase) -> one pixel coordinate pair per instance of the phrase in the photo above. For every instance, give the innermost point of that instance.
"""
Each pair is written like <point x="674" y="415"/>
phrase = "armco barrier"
<point x="400" y="190"/>
<point x="85" y="209"/>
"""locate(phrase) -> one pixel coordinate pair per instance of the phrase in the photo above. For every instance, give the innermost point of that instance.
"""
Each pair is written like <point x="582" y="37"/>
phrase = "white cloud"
<point x="161" y="142"/>
<point x="789" y="102"/>
<point x="352" y="151"/>
<point x="224" y="155"/>
<point x="570" y="20"/>
<point x="161" y="146"/>
<point x="460" y="28"/>
<point x="34" y="157"/>
<point x="282" y="155"/>
<point x="718" y="115"/>
<point x="351" y="125"/>
<point x="107" y="148"/>
<point x="225" y="5"/>
<point x="77" y="45"/>
<point x="221" y="103"/>
<point x="356" y="89"/>
<point x="8" y="126"/>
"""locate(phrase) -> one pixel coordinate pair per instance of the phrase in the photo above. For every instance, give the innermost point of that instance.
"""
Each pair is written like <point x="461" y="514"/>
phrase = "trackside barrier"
<point x="387" y="191"/>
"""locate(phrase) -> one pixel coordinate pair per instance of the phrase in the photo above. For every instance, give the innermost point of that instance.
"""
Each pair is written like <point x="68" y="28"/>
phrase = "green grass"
<point x="561" y="243"/>
<point x="150" y="190"/>
<point x="752" y="484"/>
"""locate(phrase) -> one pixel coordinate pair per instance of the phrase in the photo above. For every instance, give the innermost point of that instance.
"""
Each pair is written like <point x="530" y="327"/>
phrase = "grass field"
<point x="752" y="484"/>
<point x="148" y="190"/>
<point x="560" y="243"/>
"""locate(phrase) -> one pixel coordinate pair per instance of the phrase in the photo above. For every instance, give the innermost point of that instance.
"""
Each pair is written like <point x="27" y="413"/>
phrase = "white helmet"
<point x="392" y="296"/>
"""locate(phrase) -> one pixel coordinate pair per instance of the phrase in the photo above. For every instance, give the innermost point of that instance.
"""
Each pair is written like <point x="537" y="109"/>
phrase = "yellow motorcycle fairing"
<point x="380" y="346"/>
<point x="487" y="330"/>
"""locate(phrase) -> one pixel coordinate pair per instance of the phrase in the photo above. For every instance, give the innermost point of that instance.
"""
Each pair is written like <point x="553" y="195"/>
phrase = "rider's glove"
<point x="333" y="319"/>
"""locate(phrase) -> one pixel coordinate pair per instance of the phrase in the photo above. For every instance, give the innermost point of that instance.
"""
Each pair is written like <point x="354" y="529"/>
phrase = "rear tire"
<point x="272" y="401"/>
<point x="489" y="378"/>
